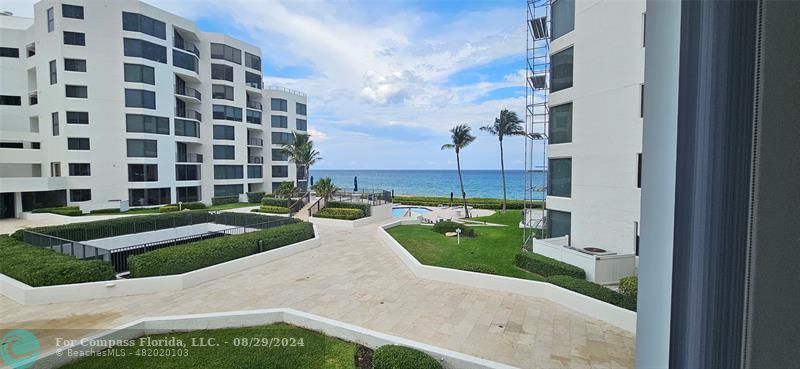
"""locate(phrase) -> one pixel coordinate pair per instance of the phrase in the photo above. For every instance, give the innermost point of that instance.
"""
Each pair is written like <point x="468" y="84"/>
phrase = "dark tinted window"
<point x="81" y="92"/>
<point x="563" y="17"/>
<point x="187" y="128"/>
<point x="51" y="20"/>
<point x="142" y="149"/>
<point x="224" y="152"/>
<point x="140" y="98"/>
<point x="300" y="108"/>
<point x="144" y="24"/>
<point x="77" y="143"/>
<point x="561" y="72"/>
<point x="228" y="172"/>
<point x="10" y="100"/>
<point x="184" y="60"/>
<point x="225" y="52"/>
<point x="279" y="155"/>
<point x="74" y="65"/>
<point x="74" y="38"/>
<point x="301" y="125"/>
<point x="142" y="172"/>
<point x="223" y="132"/>
<point x="77" y="117"/>
<point x="559" y="223"/>
<point x="53" y="72"/>
<point x="188" y="194"/>
<point x="149" y="196"/>
<point x="71" y="11"/>
<point x="559" y="173"/>
<point x="80" y="195"/>
<point x="254" y="171"/>
<point x="279" y="104"/>
<point x="222" y="92"/>
<point x="9" y="52"/>
<point x="56" y="128"/>
<point x="280" y="121"/>
<point x="80" y="169"/>
<point x="281" y="138"/>
<point x="227" y="112"/>
<point x="140" y="73"/>
<point x="252" y="61"/>
<point x="222" y="72"/>
<point x="143" y="49"/>
<point x="146" y="124"/>
<point x="253" y="116"/>
<point x="187" y="172"/>
<point x="228" y="190"/>
<point x="280" y="171"/>
<point x="560" y="126"/>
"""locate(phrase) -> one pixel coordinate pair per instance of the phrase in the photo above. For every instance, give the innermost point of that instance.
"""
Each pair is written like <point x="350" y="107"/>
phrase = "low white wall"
<point x="27" y="295"/>
<point x="595" y="309"/>
<point x="382" y="211"/>
<point x="603" y="269"/>
<point x="184" y="323"/>
<point x="348" y="224"/>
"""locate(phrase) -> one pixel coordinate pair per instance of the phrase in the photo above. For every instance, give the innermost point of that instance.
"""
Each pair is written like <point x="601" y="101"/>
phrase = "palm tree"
<point x="301" y="152"/>
<point x="507" y="125"/>
<point x="325" y="188"/>
<point x="461" y="137"/>
<point x="288" y="190"/>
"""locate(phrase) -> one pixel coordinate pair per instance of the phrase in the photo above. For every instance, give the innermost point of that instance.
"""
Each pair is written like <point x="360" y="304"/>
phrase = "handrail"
<point x="304" y="196"/>
<point x="316" y="205"/>
<point x="284" y="89"/>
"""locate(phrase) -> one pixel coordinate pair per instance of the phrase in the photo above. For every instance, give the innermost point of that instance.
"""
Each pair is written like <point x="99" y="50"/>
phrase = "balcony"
<point x="255" y="160"/>
<point x="254" y="85"/>
<point x="189" y="158"/>
<point x="189" y="114"/>
<point x="187" y="46"/>
<point x="189" y="92"/>
<point x="33" y="97"/>
<point x="254" y="105"/>
<point x="255" y="142"/>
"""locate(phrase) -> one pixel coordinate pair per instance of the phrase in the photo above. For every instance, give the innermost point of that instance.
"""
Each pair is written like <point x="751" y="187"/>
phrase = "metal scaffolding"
<point x="534" y="219"/>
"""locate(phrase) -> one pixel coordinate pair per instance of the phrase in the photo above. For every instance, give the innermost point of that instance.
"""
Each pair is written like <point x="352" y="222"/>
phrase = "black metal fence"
<point x="366" y="196"/>
<point x="77" y="249"/>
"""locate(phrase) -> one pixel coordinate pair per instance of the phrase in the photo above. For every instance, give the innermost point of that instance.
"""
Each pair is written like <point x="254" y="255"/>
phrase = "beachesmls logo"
<point x="19" y="348"/>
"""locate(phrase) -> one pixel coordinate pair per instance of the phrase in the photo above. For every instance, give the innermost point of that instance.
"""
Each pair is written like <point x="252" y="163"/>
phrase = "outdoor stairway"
<point x="303" y="213"/>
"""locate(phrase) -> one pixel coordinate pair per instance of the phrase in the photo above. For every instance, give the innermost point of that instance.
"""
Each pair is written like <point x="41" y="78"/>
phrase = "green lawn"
<point x="318" y="351"/>
<point x="493" y="246"/>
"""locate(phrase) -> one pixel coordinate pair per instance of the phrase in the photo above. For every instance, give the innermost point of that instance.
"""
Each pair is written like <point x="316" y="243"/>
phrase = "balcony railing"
<point x="188" y="92"/>
<point x="186" y="46"/>
<point x="289" y="90"/>
<point x="190" y="158"/>
<point x="254" y="84"/>
<point x="254" y="105"/>
<point x="255" y="160"/>
<point x="255" y="142"/>
<point x="189" y="114"/>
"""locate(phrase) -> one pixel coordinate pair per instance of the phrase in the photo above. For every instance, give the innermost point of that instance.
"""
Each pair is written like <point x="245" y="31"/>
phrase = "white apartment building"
<point x="114" y="101"/>
<point x="595" y="105"/>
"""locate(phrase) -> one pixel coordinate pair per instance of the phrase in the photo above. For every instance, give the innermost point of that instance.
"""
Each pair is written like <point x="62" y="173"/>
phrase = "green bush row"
<point x="201" y="254"/>
<point x="193" y="205"/>
<point x="38" y="266"/>
<point x="237" y="219"/>
<point x="593" y="290"/>
<point x="477" y="202"/>
<point x="445" y="226"/>
<point x="282" y="202"/>
<point x="255" y="197"/>
<point x="340" y="213"/>
<point x="545" y="266"/>
<point x="168" y="208"/>
<point x="271" y="209"/>
<point x="366" y="208"/>
<point x="220" y="200"/>
<point x="401" y="357"/>
<point x="479" y="268"/>
<point x="105" y="211"/>
<point x="71" y="211"/>
<point x="629" y="286"/>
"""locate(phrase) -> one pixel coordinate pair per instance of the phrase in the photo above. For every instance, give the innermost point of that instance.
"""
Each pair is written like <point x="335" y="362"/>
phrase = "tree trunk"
<point x="503" y="174"/>
<point x="460" y="180"/>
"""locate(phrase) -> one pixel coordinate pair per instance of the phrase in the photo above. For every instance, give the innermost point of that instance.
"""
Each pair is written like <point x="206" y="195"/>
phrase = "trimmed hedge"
<point x="480" y="268"/>
<point x="274" y="201"/>
<point x="193" y="205"/>
<point x="271" y="209"/>
<point x="168" y="208"/>
<point x="445" y="226"/>
<point x="219" y="200"/>
<point x="629" y="286"/>
<point x="340" y="213"/>
<point x="593" y="290"/>
<point x="39" y="266"/>
<point x="71" y="211"/>
<point x="366" y="208"/>
<point x="197" y="255"/>
<point x="545" y="266"/>
<point x="478" y="202"/>
<point x="254" y="197"/>
<point x="105" y="211"/>
<point x="401" y="357"/>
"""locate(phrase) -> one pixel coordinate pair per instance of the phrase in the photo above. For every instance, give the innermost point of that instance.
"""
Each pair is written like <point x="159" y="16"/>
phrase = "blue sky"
<point x="386" y="79"/>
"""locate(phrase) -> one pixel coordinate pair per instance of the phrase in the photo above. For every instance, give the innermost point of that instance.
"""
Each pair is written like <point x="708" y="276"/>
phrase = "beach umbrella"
<point x="312" y="181"/>
<point x="355" y="184"/>
<point x="451" y="198"/>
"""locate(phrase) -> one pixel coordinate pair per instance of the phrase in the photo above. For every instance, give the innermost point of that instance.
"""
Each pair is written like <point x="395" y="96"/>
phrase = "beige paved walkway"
<point x="352" y="277"/>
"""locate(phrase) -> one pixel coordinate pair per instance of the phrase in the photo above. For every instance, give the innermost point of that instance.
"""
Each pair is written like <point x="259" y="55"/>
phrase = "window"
<point x="143" y="49"/>
<point x="144" y="24"/>
<point x="53" y="72"/>
<point x="140" y="73"/>
<point x="74" y="38"/>
<point x="222" y="92"/>
<point x="225" y="52"/>
<point x="77" y="143"/>
<point x="228" y="190"/>
<point x="9" y="52"/>
<point x="80" y="169"/>
<point x="74" y="65"/>
<point x="252" y="80"/>
<point x="54" y="118"/>
<point x="559" y="223"/>
<point x="641" y="102"/>
<point x="184" y="60"/>
<point x="187" y="128"/>
<point x="279" y="104"/>
<point x="224" y="152"/>
<point x="51" y="20"/>
<point x="561" y="73"/>
<point x="55" y="169"/>
<point x="252" y="61"/>
<point x="644" y="33"/>
<point x="142" y="172"/>
<point x="223" y="132"/>
<point x="563" y="17"/>
<point x="301" y="125"/>
<point x="560" y="126"/>
<point x="281" y="138"/>
<point x="253" y="116"/>
<point x="280" y="121"/>
<point x="222" y="72"/>
<point x="559" y="173"/>
<point x="228" y="172"/>
<point x="280" y="171"/>
<point x="300" y="108"/>
<point x="71" y="11"/>
<point x="227" y="112"/>
<point x="141" y="123"/>
<point x="10" y="100"/>
<point x="279" y="155"/>
<point x="80" y="92"/>
<point x="190" y="172"/>
<point x="639" y="170"/>
<point x="140" y="99"/>
<point x="80" y="195"/>
<point x="142" y="149"/>
<point x="77" y="117"/>
<point x="149" y="196"/>
<point x="255" y="171"/>
<point x="188" y="194"/>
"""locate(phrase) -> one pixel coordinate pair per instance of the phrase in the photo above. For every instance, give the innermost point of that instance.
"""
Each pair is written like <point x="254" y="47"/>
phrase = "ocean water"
<point x="477" y="183"/>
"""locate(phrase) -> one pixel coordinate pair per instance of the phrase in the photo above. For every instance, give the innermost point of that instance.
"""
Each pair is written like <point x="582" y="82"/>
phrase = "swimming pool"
<point x="404" y="211"/>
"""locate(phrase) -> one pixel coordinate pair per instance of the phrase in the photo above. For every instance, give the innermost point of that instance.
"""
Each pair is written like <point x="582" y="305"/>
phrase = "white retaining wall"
<point x="380" y="212"/>
<point x="595" y="309"/>
<point x="27" y="295"/>
<point x="184" y="323"/>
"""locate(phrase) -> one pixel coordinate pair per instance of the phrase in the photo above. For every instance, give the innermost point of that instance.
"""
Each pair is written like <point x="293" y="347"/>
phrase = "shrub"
<point x="168" y="208"/>
<point x="449" y="226"/>
<point x="545" y="266"/>
<point x="105" y="211"/>
<point x="220" y="200"/>
<point x="201" y="254"/>
<point x="193" y="206"/>
<point x="366" y="208"/>
<point x="281" y="202"/>
<point x="271" y="209"/>
<point x="340" y="213"/>
<point x="400" y="357"/>
<point x="593" y="290"/>
<point x="480" y="268"/>
<point x="71" y="211"/>
<point x="629" y="286"/>
<point x="254" y="197"/>
<point x="38" y="266"/>
<point x="479" y="203"/>
<point x="248" y="219"/>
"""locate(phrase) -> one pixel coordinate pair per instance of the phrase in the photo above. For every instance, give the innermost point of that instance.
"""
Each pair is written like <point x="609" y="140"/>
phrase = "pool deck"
<point x="447" y="213"/>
